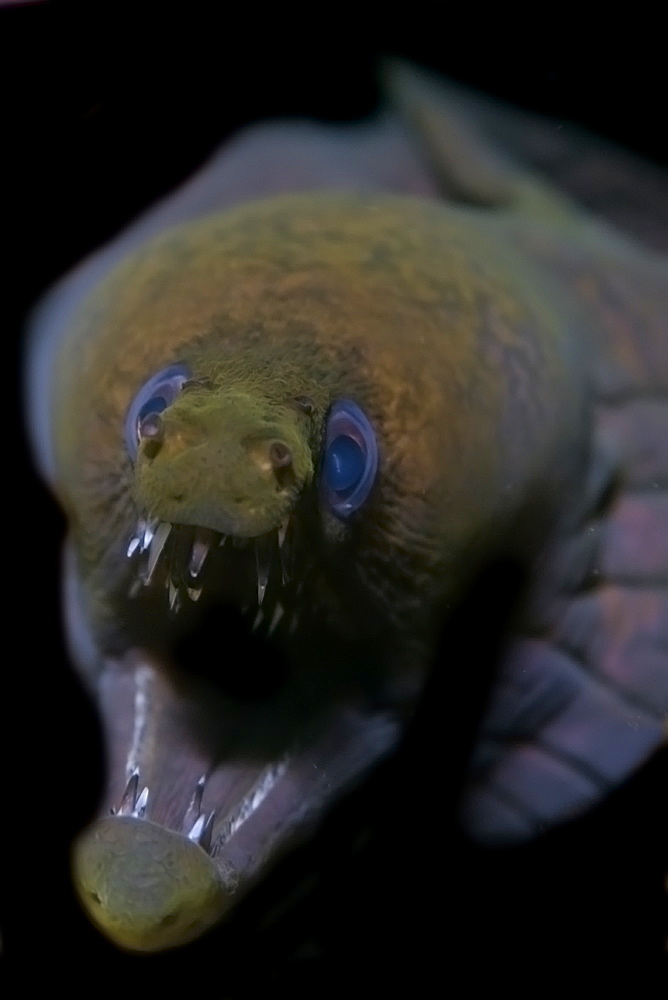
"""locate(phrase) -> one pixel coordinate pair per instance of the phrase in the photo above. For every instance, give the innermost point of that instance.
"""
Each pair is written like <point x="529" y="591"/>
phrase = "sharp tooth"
<point x="157" y="545"/>
<point x="173" y="597"/>
<point x="262" y="562"/>
<point x="149" y="531"/>
<point x="133" y="546"/>
<point x="200" y="550"/>
<point x="194" y="807"/>
<point x="276" y="617"/>
<point x="222" y="541"/>
<point x="135" y="588"/>
<point x="194" y="593"/>
<point x="139" y="810"/>
<point x="205" y="836"/>
<point x="129" y="796"/>
<point x="201" y="831"/>
<point x="259" y="617"/>
<point x="285" y="552"/>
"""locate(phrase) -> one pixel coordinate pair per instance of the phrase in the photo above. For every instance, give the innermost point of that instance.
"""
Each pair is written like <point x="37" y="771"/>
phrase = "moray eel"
<point x="292" y="415"/>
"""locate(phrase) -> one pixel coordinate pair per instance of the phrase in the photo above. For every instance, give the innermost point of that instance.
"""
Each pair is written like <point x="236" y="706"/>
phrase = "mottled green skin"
<point x="410" y="308"/>
<point x="169" y="874"/>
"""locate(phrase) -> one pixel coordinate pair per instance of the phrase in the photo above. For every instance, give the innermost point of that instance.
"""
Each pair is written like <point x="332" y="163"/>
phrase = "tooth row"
<point x="152" y="535"/>
<point x="196" y="826"/>
<point x="131" y="803"/>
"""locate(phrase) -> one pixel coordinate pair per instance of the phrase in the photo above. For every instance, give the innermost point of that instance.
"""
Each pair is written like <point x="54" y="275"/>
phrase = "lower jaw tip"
<point x="145" y="887"/>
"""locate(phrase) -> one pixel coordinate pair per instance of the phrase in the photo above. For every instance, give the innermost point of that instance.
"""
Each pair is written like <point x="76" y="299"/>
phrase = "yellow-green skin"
<point x="408" y="307"/>
<point x="462" y="335"/>
<point x="169" y="876"/>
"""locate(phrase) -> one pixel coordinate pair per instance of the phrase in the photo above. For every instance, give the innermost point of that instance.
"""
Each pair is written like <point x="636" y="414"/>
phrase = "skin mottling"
<point x="409" y="309"/>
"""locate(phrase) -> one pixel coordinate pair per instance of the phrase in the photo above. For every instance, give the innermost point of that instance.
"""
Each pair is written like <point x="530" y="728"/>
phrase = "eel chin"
<point x="210" y="779"/>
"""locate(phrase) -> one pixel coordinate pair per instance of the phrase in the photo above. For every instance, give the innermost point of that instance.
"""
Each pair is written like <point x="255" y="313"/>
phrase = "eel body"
<point x="293" y="415"/>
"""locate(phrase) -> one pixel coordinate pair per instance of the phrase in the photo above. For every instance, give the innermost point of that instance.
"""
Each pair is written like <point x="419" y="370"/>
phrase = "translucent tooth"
<point x="201" y="831"/>
<point x="222" y="541"/>
<point x="285" y="552"/>
<point x="139" y="810"/>
<point x="194" y="593"/>
<point x="157" y="545"/>
<point x="173" y="597"/>
<point x="199" y="552"/>
<point x="205" y="836"/>
<point x="149" y="531"/>
<point x="262" y="562"/>
<point x="276" y="617"/>
<point x="259" y="617"/>
<point x="197" y="827"/>
<point x="133" y="546"/>
<point x="129" y="796"/>
<point x="194" y="807"/>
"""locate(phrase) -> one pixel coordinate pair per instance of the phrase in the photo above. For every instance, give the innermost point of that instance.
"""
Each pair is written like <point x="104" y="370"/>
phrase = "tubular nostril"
<point x="151" y="433"/>
<point x="280" y="455"/>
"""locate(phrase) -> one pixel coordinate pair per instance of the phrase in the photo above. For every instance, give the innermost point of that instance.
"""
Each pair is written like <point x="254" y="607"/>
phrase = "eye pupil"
<point x="142" y="420"/>
<point x="155" y="405"/>
<point x="344" y="463"/>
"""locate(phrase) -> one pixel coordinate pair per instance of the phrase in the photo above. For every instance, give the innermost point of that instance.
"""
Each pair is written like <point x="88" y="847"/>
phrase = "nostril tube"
<point x="280" y="455"/>
<point x="151" y="432"/>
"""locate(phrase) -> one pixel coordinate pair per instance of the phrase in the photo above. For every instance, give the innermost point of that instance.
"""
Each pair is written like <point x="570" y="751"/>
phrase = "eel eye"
<point x="351" y="458"/>
<point x="154" y="396"/>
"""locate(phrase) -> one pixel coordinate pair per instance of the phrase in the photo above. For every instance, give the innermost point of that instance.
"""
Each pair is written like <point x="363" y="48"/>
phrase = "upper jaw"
<point x="193" y="563"/>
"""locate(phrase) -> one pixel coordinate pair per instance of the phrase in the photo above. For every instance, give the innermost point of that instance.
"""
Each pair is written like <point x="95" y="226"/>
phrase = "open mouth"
<point x="225" y="744"/>
<point x="256" y="575"/>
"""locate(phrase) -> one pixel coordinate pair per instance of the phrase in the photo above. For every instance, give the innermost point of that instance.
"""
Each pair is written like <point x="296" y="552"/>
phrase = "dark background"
<point x="104" y="109"/>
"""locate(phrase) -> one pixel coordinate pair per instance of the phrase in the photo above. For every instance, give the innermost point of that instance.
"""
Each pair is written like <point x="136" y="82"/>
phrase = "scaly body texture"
<point x="311" y="423"/>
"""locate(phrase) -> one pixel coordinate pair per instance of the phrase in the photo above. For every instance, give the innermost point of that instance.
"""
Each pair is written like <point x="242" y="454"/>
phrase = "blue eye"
<point x="351" y="458"/>
<point x="154" y="396"/>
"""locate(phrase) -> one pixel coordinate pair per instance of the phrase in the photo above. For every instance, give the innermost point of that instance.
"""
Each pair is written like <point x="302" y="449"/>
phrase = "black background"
<point x="105" y="108"/>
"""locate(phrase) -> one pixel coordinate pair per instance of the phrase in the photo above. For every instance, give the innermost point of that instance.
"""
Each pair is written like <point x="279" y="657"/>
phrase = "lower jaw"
<point x="237" y="783"/>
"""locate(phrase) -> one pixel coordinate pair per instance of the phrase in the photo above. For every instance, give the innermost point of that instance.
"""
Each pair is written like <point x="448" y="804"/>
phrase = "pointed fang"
<point x="257" y="621"/>
<point x="149" y="531"/>
<point x="129" y="796"/>
<point x="157" y="545"/>
<point x="205" y="836"/>
<point x="200" y="550"/>
<point x="173" y="597"/>
<point x="139" y="810"/>
<point x="282" y="532"/>
<point x="276" y="617"/>
<point x="200" y="832"/>
<point x="262" y="560"/>
<point x="194" y="593"/>
<point x="194" y="807"/>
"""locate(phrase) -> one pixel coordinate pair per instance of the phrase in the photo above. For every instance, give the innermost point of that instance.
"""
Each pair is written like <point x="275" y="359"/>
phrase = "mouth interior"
<point x="217" y="732"/>
<point x="219" y="591"/>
